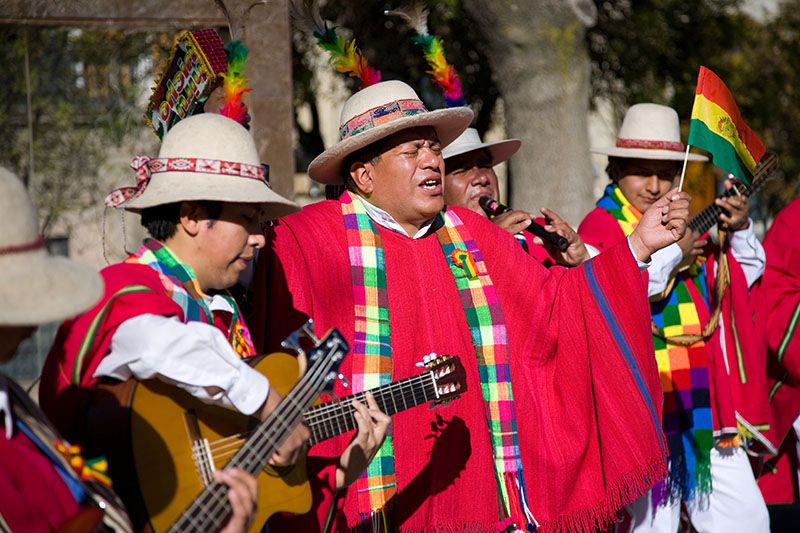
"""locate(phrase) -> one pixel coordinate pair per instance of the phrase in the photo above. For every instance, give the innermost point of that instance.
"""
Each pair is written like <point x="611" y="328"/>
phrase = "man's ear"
<point x="190" y="217"/>
<point x="362" y="176"/>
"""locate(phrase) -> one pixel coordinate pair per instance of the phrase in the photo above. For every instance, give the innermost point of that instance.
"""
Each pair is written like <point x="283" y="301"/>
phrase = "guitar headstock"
<point x="324" y="357"/>
<point x="764" y="170"/>
<point x="449" y="375"/>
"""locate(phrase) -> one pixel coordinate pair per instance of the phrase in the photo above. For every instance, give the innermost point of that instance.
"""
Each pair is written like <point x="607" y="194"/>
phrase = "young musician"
<point x="165" y="311"/>
<point x="705" y="403"/>
<point x="552" y="387"/>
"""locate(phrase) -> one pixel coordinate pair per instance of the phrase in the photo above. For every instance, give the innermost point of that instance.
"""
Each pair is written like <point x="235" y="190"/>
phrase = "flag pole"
<point x="683" y="171"/>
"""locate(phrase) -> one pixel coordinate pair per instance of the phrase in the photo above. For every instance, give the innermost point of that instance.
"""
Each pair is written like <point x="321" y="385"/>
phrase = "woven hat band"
<point x="24" y="247"/>
<point x="378" y="116"/>
<point x="650" y="145"/>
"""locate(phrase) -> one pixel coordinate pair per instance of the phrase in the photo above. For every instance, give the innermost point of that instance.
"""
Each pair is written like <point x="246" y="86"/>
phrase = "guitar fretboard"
<point x="331" y="419"/>
<point x="710" y="215"/>
<point x="210" y="510"/>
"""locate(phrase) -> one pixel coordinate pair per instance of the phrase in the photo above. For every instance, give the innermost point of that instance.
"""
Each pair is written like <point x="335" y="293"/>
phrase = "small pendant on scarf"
<point x="464" y="259"/>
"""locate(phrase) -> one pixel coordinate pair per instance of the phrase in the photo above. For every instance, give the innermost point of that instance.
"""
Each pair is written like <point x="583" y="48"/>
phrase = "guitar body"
<point x="162" y="448"/>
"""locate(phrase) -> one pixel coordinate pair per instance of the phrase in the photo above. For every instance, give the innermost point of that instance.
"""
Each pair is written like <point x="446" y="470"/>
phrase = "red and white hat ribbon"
<point x="145" y="167"/>
<point x="117" y="197"/>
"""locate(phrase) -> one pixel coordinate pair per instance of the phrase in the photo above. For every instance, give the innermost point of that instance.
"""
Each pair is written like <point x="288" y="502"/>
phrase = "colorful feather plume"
<point x="345" y="55"/>
<point x="442" y="73"/>
<point x="234" y="83"/>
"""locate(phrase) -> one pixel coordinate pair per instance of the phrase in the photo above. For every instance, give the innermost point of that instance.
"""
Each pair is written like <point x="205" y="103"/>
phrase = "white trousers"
<point x="735" y="503"/>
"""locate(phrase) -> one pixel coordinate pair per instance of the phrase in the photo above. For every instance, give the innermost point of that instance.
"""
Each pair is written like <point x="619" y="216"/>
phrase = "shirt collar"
<point x="381" y="217"/>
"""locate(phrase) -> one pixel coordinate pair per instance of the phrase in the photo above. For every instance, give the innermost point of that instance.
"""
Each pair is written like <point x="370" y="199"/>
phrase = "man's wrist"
<point x="640" y="251"/>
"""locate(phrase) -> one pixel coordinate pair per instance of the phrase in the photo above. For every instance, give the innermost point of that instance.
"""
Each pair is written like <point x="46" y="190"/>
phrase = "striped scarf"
<point x="372" y="365"/>
<point x="687" y="418"/>
<point x="181" y="285"/>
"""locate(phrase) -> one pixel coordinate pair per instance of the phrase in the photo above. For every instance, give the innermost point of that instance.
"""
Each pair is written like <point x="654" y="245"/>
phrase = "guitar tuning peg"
<point x="292" y="342"/>
<point x="343" y="379"/>
<point x="308" y="330"/>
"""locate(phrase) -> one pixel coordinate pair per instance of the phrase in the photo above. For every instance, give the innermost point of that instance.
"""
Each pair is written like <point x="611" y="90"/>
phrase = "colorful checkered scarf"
<point x="373" y="364"/>
<point x="687" y="418"/>
<point x="181" y="285"/>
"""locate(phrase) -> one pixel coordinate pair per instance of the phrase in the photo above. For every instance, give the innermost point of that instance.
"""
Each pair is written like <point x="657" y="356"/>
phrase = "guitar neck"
<point x="211" y="509"/>
<point x="332" y="419"/>
<point x="710" y="215"/>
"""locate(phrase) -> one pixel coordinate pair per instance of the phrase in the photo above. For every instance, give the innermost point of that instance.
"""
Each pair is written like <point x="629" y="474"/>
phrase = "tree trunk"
<point x="541" y="67"/>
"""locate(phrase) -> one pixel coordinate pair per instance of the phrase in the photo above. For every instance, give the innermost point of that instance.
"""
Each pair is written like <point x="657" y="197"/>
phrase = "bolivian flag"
<point x="718" y="128"/>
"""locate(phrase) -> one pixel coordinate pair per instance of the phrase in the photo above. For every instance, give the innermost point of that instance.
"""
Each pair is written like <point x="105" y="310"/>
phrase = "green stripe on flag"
<point x="723" y="152"/>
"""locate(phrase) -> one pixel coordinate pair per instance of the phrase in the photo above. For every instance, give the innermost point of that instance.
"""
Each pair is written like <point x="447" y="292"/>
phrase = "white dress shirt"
<point x="195" y="356"/>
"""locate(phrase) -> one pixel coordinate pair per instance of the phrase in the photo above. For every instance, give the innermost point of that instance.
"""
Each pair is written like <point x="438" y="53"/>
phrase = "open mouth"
<point x="431" y="184"/>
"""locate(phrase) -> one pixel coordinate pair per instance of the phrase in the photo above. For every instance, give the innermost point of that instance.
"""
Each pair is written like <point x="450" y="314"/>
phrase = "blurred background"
<point x="559" y="74"/>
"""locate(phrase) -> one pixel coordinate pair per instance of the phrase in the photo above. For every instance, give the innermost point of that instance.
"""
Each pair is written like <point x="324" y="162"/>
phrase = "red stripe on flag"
<point x="715" y="90"/>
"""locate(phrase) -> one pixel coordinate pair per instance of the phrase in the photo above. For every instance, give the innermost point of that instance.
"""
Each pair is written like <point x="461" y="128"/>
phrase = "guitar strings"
<point x="213" y="503"/>
<point x="324" y="416"/>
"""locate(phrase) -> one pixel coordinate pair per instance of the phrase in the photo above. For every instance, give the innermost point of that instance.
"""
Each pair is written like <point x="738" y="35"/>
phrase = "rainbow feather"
<point x="347" y="57"/>
<point x="442" y="73"/>
<point x="234" y="83"/>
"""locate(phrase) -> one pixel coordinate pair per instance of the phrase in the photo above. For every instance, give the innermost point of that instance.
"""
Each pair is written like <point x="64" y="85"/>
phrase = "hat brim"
<point x="448" y="123"/>
<point x="643" y="153"/>
<point x="40" y="288"/>
<point x="499" y="150"/>
<point x="170" y="187"/>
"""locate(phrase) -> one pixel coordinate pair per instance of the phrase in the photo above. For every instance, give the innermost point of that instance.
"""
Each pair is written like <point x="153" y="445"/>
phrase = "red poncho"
<point x="738" y="388"/>
<point x="589" y="432"/>
<point x="778" y="306"/>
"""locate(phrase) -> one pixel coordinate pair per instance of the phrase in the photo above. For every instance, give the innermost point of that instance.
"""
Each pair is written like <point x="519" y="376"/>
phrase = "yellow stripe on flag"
<point x="719" y="122"/>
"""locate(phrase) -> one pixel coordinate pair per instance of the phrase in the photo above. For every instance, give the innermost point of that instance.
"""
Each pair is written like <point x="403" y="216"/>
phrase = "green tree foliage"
<point x="651" y="50"/>
<point x="85" y="90"/>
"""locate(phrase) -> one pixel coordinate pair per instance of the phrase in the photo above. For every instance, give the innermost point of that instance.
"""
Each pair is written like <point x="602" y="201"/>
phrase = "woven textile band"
<point x="378" y="116"/>
<point x="24" y="247"/>
<point x="145" y="167"/>
<point x="687" y="421"/>
<point x="650" y="145"/>
<point x="372" y="363"/>
<point x="180" y="282"/>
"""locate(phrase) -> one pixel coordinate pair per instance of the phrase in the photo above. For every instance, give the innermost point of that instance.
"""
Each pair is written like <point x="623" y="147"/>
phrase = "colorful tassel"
<point x="234" y="84"/>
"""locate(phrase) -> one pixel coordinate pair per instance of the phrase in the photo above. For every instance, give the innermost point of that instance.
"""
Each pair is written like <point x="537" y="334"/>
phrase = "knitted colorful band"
<point x="687" y="419"/>
<point x="372" y="350"/>
<point x="180" y="282"/>
<point x="488" y="327"/>
<point x="145" y="167"/>
<point x="23" y="247"/>
<point x="378" y="116"/>
<point x="650" y="145"/>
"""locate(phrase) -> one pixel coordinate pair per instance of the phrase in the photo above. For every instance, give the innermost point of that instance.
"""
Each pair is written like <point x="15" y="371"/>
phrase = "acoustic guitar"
<point x="178" y="441"/>
<point x="173" y="472"/>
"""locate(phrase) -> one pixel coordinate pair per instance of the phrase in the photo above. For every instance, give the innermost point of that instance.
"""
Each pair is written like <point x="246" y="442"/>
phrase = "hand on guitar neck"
<point x="736" y="209"/>
<point x="372" y="427"/>
<point x="294" y="445"/>
<point x="734" y="215"/>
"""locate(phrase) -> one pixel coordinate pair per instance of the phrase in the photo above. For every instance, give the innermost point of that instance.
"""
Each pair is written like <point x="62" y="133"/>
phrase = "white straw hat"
<point x="650" y="131"/>
<point x="203" y="157"/>
<point x="36" y="287"/>
<point x="378" y="111"/>
<point x="469" y="141"/>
